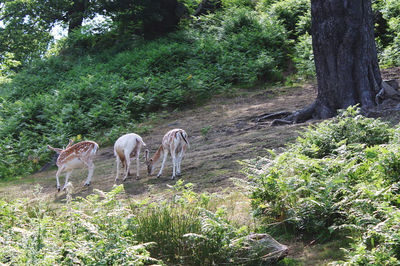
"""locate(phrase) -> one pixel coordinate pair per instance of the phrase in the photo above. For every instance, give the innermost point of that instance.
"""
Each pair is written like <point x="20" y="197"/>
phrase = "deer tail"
<point x="54" y="149"/>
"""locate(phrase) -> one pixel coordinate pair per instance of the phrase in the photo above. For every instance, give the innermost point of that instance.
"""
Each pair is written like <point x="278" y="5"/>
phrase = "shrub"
<point x="290" y="13"/>
<point x="304" y="57"/>
<point x="391" y="55"/>
<point x="238" y="3"/>
<point x="105" y="229"/>
<point x="388" y="36"/>
<point x="348" y="128"/>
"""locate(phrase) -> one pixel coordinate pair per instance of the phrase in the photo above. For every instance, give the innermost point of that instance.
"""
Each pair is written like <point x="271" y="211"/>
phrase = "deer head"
<point x="149" y="162"/>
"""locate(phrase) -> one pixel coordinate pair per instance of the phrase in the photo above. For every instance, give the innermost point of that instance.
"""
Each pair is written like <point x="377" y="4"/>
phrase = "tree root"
<point x="298" y="116"/>
<point x="266" y="116"/>
<point x="387" y="100"/>
<point x="277" y="122"/>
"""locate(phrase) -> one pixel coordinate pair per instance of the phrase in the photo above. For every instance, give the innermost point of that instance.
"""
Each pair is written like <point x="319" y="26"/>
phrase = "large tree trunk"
<point x="345" y="57"/>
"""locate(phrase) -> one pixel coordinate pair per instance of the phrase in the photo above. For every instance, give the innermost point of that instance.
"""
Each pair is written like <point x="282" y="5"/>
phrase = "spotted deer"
<point x="125" y="148"/>
<point x="75" y="156"/>
<point x="174" y="142"/>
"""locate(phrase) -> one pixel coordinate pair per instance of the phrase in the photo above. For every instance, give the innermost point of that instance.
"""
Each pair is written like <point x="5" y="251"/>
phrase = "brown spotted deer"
<point x="75" y="156"/>
<point x="174" y="142"/>
<point x="125" y="148"/>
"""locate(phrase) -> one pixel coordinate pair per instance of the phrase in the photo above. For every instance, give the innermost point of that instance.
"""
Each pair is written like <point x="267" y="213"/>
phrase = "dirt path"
<point x="220" y="133"/>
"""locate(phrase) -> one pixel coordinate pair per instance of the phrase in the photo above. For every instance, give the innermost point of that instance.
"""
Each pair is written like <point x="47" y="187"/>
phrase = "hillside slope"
<point x="220" y="133"/>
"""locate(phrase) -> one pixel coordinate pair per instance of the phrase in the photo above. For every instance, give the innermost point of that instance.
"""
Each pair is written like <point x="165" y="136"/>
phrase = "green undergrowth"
<point x="339" y="180"/>
<point x="85" y="231"/>
<point x="105" y="229"/>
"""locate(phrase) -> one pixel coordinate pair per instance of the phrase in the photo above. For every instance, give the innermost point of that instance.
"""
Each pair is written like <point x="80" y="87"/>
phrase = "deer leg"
<point x="163" y="162"/>
<point x="118" y="160"/>
<point x="90" y="165"/>
<point x="174" y="162"/>
<point x="57" y="176"/>
<point x="180" y="156"/>
<point x="127" y="165"/>
<point x="173" y="166"/>
<point x="66" y="179"/>
<point x="137" y="164"/>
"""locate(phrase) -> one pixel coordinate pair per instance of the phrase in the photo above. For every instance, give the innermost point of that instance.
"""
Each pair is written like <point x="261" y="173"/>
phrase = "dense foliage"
<point x="388" y="35"/>
<point x="85" y="231"/>
<point x="340" y="179"/>
<point x="26" y="25"/>
<point x="105" y="229"/>
<point x="103" y="94"/>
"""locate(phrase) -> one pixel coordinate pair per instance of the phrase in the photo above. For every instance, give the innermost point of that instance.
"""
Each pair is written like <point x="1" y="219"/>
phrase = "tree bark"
<point x="162" y="16"/>
<point x="206" y="6"/>
<point x="345" y="57"/>
<point x="76" y="14"/>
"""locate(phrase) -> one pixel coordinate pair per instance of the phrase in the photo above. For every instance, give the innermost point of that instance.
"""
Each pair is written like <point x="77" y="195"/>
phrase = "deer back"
<point x="83" y="150"/>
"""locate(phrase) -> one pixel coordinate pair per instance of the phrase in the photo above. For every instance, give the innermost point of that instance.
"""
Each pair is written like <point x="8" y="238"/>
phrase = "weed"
<point x="204" y="131"/>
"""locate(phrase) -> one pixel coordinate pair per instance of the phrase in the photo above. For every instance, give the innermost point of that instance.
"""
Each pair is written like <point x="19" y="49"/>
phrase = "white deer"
<point x="75" y="156"/>
<point x="125" y="148"/>
<point x="174" y="142"/>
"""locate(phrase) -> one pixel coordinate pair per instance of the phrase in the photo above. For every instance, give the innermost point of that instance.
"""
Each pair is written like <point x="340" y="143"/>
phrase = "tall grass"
<point x="92" y="230"/>
<point x="186" y="232"/>
<point x="105" y="229"/>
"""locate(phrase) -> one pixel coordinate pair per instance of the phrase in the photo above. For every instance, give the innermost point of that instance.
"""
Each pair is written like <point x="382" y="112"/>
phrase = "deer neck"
<point x="156" y="157"/>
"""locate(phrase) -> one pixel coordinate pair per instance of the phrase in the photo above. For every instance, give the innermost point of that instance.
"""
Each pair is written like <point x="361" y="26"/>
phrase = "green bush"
<point x="290" y="14"/>
<point x="295" y="16"/>
<point x="340" y="179"/>
<point x="388" y="37"/>
<point x="348" y="128"/>
<point x="391" y="54"/>
<point x="303" y="56"/>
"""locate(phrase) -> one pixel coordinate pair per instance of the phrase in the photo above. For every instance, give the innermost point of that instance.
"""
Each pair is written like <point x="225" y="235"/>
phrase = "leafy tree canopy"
<point x="25" y="25"/>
